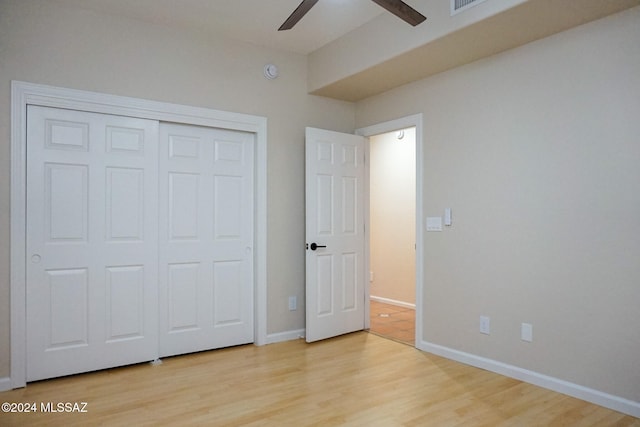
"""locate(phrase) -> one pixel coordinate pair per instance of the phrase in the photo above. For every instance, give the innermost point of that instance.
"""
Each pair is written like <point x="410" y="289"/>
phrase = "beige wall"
<point x="537" y="151"/>
<point x="392" y="193"/>
<point x="42" y="43"/>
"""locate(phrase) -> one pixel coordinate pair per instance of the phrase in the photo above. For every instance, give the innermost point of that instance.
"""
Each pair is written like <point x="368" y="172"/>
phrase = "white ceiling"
<point x="253" y="21"/>
<point x="441" y="45"/>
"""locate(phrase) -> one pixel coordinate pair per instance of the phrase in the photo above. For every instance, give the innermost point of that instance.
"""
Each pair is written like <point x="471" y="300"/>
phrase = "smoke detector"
<point x="270" y="71"/>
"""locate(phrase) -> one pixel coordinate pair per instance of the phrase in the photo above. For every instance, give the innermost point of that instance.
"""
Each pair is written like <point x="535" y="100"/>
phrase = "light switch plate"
<point x="434" y="223"/>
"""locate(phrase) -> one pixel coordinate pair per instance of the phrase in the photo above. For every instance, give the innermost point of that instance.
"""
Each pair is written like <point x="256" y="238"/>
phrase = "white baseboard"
<point x="5" y="384"/>
<point x="393" y="302"/>
<point x="610" y="401"/>
<point x="285" y="336"/>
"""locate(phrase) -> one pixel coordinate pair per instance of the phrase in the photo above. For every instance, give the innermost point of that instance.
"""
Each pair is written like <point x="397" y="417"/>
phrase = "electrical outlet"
<point x="526" y="332"/>
<point x="371" y="276"/>
<point x="293" y="303"/>
<point x="485" y="325"/>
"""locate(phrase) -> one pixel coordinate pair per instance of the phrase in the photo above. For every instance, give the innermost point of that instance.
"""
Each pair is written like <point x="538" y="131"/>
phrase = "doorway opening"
<point x="392" y="235"/>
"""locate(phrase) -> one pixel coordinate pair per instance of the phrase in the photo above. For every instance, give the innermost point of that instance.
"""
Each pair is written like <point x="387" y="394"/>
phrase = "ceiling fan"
<point x="397" y="7"/>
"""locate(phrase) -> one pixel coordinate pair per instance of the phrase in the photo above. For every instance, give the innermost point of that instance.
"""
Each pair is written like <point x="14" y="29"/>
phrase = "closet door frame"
<point x="24" y="94"/>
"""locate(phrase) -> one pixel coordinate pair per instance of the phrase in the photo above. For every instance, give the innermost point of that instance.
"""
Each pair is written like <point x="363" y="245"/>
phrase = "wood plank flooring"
<point x="358" y="379"/>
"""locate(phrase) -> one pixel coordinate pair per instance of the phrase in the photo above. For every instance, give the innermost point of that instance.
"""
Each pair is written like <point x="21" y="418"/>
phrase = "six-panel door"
<point x="206" y="238"/>
<point x="91" y="241"/>
<point x="334" y="221"/>
<point x="136" y="245"/>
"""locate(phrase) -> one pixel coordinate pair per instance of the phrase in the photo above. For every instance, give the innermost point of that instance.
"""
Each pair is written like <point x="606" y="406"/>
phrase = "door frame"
<point x="416" y="121"/>
<point x="23" y="94"/>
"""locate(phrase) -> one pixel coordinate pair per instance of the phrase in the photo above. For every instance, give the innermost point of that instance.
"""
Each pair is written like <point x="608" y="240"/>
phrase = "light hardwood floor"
<point x="358" y="379"/>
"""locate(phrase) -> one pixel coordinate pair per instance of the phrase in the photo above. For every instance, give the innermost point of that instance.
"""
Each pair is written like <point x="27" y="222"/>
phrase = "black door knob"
<point x="314" y="246"/>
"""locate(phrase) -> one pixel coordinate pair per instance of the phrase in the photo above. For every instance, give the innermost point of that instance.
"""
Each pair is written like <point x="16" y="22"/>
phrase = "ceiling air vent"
<point x="458" y="6"/>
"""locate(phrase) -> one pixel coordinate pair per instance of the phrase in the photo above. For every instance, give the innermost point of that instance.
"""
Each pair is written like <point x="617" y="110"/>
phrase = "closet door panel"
<point x="92" y="241"/>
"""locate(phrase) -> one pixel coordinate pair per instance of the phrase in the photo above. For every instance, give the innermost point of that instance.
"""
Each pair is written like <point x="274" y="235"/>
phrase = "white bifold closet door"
<point x="139" y="240"/>
<point x="92" y="241"/>
<point x="206" y="238"/>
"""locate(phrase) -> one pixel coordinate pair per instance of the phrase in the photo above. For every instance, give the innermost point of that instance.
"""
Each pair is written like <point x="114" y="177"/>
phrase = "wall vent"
<point x="458" y="6"/>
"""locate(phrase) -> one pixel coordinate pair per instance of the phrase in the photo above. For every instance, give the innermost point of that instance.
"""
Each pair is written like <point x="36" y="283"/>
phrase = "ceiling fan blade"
<point x="402" y="11"/>
<point x="297" y="14"/>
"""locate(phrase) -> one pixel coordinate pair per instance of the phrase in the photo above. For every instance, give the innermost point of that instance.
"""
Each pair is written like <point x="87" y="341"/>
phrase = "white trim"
<point x="551" y="383"/>
<point x="367" y="233"/>
<point x="285" y="336"/>
<point x="393" y="302"/>
<point x="416" y="121"/>
<point x="5" y="384"/>
<point x="23" y="94"/>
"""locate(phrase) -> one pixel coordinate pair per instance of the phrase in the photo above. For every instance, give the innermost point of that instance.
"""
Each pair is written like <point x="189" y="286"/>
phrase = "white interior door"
<point x="206" y="238"/>
<point x="130" y="234"/>
<point x="335" y="277"/>
<point x="91" y="241"/>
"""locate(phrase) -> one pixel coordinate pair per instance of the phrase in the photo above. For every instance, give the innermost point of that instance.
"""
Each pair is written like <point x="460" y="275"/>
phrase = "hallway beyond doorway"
<point x="393" y="322"/>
